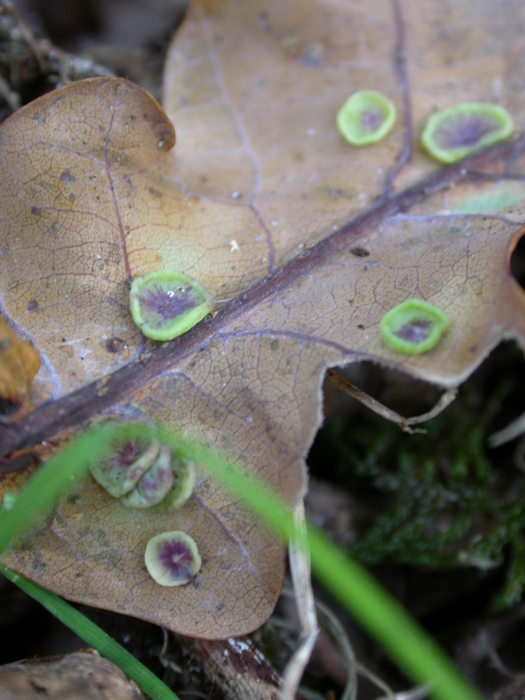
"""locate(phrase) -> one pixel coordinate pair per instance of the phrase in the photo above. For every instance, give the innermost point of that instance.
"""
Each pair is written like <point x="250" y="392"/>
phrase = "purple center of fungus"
<point x="463" y="130"/>
<point x="370" y="120"/>
<point x="124" y="456"/>
<point x="130" y="451"/>
<point x="414" y="332"/>
<point x="164" y="303"/>
<point x="172" y="558"/>
<point x="176" y="558"/>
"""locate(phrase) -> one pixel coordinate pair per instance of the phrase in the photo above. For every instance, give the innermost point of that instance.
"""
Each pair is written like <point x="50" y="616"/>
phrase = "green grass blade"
<point x="44" y="487"/>
<point x="95" y="637"/>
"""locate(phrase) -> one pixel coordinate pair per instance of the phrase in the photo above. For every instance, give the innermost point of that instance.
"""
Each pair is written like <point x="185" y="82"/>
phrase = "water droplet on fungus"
<point x="165" y="304"/>
<point x="172" y="558"/>
<point x="458" y="131"/>
<point x="413" y="327"/>
<point x="366" y="117"/>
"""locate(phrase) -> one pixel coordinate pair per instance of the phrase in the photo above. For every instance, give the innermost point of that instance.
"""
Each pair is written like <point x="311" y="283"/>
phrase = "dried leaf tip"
<point x="456" y="132"/>
<point x="172" y="558"/>
<point x="366" y="117"/>
<point x="413" y="327"/>
<point x="165" y="304"/>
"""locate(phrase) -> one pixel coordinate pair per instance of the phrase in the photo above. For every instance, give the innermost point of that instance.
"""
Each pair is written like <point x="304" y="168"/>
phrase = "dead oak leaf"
<point x="308" y="242"/>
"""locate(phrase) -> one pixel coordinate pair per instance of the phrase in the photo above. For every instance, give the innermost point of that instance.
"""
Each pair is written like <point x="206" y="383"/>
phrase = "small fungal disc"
<point x="413" y="327"/>
<point x="130" y="460"/>
<point x="183" y="482"/>
<point x="166" y="304"/>
<point x="154" y="486"/>
<point x="172" y="558"/>
<point x="366" y="117"/>
<point x="456" y="132"/>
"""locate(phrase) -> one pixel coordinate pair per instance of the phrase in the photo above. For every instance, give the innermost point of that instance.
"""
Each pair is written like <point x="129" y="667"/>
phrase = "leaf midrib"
<point x="94" y="398"/>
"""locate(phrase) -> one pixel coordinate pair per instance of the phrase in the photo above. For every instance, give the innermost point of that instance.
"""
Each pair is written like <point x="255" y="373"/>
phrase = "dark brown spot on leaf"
<point x="359" y="252"/>
<point x="67" y="176"/>
<point x="115" y="345"/>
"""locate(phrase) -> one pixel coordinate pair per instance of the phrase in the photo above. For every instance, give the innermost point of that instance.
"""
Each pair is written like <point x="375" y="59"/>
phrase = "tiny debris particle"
<point x="236" y="195"/>
<point x="32" y="305"/>
<point x="115" y="345"/>
<point x="67" y="176"/>
<point x="233" y="245"/>
<point x="359" y="252"/>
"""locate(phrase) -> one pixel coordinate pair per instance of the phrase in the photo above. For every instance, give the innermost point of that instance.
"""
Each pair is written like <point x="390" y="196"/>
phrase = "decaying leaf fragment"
<point x="19" y="362"/>
<point x="83" y="675"/>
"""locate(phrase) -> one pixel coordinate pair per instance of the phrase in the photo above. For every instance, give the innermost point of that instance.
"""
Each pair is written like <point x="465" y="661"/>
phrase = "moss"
<point x="434" y="500"/>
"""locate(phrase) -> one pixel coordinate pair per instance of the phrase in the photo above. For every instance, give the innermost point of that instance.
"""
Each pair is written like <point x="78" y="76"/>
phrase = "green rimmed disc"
<point x="172" y="558"/>
<point x="165" y="304"/>
<point x="456" y="132"/>
<point x="366" y="117"/>
<point x="413" y="327"/>
<point x="154" y="485"/>
<point x="129" y="460"/>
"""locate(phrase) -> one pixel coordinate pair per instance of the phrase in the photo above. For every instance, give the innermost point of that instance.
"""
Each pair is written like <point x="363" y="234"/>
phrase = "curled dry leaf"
<point x="264" y="204"/>
<point x="82" y="675"/>
<point x="19" y="362"/>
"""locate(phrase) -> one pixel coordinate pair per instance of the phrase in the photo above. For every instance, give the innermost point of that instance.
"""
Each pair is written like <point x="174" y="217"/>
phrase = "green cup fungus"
<point x="456" y="132"/>
<point x="172" y="558"/>
<point x="413" y="327"/>
<point x="366" y="117"/>
<point x="143" y="474"/>
<point x="165" y="304"/>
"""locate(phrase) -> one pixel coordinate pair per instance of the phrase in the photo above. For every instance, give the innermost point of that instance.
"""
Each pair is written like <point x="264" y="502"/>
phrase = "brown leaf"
<point x="93" y="197"/>
<point x="104" y="206"/>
